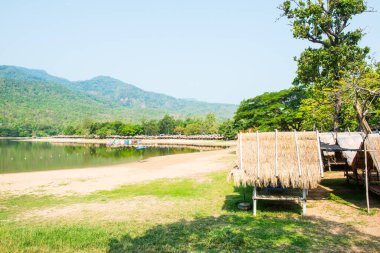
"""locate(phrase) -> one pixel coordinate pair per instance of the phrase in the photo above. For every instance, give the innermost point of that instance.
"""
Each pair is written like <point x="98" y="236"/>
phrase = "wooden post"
<point x="366" y="174"/>
<point x="276" y="161"/>
<point x="254" y="201"/>
<point x="298" y="154"/>
<point x="303" y="201"/>
<point x="241" y="150"/>
<point x="320" y="154"/>
<point x="258" y="154"/>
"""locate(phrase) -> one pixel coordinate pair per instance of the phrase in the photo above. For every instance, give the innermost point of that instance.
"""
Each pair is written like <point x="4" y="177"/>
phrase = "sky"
<point x="210" y="50"/>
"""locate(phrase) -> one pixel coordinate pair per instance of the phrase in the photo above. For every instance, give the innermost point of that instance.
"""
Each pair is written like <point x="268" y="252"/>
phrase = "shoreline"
<point x="86" y="180"/>
<point x="174" y="142"/>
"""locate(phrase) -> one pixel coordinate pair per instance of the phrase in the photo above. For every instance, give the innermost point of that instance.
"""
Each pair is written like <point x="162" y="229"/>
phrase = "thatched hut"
<point x="371" y="144"/>
<point x="339" y="149"/>
<point x="281" y="160"/>
<point x="348" y="142"/>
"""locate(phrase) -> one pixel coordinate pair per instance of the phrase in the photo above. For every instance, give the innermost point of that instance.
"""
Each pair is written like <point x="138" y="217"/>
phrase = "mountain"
<point x="29" y="95"/>
<point x="14" y="72"/>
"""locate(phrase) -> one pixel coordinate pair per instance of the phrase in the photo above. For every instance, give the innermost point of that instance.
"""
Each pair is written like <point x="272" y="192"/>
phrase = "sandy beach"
<point x="86" y="180"/>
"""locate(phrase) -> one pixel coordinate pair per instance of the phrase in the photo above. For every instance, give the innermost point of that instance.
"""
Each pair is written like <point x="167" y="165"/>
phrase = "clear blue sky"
<point x="212" y="50"/>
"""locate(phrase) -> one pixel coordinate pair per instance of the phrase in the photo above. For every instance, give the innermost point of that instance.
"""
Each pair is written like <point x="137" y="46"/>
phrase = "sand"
<point x="87" y="180"/>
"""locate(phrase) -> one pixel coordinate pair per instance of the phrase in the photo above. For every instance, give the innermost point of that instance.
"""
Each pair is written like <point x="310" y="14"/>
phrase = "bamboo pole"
<point x="254" y="201"/>
<point x="241" y="150"/>
<point x="258" y="154"/>
<point x="366" y="175"/>
<point x="320" y="154"/>
<point x="276" y="161"/>
<point x="298" y="153"/>
<point x="303" y="201"/>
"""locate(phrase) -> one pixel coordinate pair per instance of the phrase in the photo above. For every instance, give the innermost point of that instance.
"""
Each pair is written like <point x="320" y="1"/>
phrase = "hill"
<point x="34" y="96"/>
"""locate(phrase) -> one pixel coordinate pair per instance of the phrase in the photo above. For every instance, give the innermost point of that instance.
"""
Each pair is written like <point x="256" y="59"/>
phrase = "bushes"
<point x="167" y="125"/>
<point x="27" y="130"/>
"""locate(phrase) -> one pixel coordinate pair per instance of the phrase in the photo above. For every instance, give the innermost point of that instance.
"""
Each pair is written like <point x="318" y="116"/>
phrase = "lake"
<point x="23" y="156"/>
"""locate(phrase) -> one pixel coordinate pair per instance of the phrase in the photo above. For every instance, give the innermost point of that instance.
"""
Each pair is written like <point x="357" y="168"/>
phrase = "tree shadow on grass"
<point x="243" y="233"/>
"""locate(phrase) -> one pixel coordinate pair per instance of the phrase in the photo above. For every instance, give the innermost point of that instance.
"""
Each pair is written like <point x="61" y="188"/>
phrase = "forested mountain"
<point x="35" y="97"/>
<point x="128" y="95"/>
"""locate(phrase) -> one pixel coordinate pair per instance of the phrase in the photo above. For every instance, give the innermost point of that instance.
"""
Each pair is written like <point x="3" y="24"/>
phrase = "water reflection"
<point x="19" y="156"/>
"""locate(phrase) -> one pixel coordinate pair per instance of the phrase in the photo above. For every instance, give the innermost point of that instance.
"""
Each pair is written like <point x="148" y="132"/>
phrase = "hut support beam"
<point x="276" y="151"/>
<point x="258" y="154"/>
<point x="304" y="201"/>
<point x="241" y="150"/>
<point x="366" y="175"/>
<point x="298" y="154"/>
<point x="254" y="201"/>
<point x="320" y="154"/>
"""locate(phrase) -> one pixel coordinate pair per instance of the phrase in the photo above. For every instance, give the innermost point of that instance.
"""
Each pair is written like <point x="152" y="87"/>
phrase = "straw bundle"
<point x="294" y="163"/>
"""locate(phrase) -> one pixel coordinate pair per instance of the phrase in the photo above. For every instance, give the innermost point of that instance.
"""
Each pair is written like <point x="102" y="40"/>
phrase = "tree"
<point x="271" y="110"/>
<point x="228" y="130"/>
<point x="363" y="87"/>
<point x="130" y="130"/>
<point x="194" y="128"/>
<point x="325" y="23"/>
<point x="69" y="130"/>
<point x="166" y="124"/>
<point x="210" y="125"/>
<point x="179" y="130"/>
<point x="150" y="127"/>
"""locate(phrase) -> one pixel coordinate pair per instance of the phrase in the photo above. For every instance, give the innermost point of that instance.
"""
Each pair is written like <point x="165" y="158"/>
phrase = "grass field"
<point x="179" y="215"/>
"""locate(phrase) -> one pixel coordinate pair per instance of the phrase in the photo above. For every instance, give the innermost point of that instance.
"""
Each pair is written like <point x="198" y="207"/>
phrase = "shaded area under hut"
<point x="350" y="150"/>
<point x="279" y="165"/>
<point x="369" y="160"/>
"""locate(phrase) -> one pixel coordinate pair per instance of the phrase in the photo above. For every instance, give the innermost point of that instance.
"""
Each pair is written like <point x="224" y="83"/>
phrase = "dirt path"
<point x="351" y="213"/>
<point x="86" y="180"/>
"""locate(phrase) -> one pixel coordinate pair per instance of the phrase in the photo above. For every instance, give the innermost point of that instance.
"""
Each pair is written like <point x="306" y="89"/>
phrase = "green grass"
<point x="352" y="195"/>
<point x="203" y="219"/>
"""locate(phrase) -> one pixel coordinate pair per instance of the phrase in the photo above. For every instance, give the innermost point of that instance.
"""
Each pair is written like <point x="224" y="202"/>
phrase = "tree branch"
<point x="315" y="40"/>
<point x="371" y="92"/>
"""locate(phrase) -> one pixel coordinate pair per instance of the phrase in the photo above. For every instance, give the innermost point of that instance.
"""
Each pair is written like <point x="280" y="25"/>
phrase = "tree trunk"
<point x="338" y="110"/>
<point x="363" y="124"/>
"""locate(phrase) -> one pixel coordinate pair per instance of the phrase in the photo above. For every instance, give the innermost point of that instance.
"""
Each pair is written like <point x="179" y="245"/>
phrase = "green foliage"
<point x="69" y="130"/>
<point x="326" y="23"/>
<point x="271" y="110"/>
<point x="150" y="127"/>
<point x="166" y="125"/>
<point x="32" y="100"/>
<point x="227" y="130"/>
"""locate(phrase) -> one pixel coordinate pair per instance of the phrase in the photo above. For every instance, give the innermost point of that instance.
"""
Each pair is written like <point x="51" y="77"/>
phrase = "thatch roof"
<point x="287" y="159"/>
<point x="327" y="140"/>
<point x="349" y="141"/>
<point x="373" y="143"/>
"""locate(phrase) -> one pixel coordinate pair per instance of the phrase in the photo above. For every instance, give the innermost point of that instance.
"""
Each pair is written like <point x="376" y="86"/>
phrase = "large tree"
<point x="270" y="111"/>
<point x="326" y="23"/>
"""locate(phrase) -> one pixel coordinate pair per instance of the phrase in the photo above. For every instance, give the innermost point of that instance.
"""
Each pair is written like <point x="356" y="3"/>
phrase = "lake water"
<point x="20" y="156"/>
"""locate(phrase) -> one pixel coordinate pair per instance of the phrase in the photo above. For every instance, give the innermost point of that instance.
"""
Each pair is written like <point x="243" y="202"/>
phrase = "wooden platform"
<point x="282" y="195"/>
<point x="374" y="189"/>
<point x="275" y="197"/>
